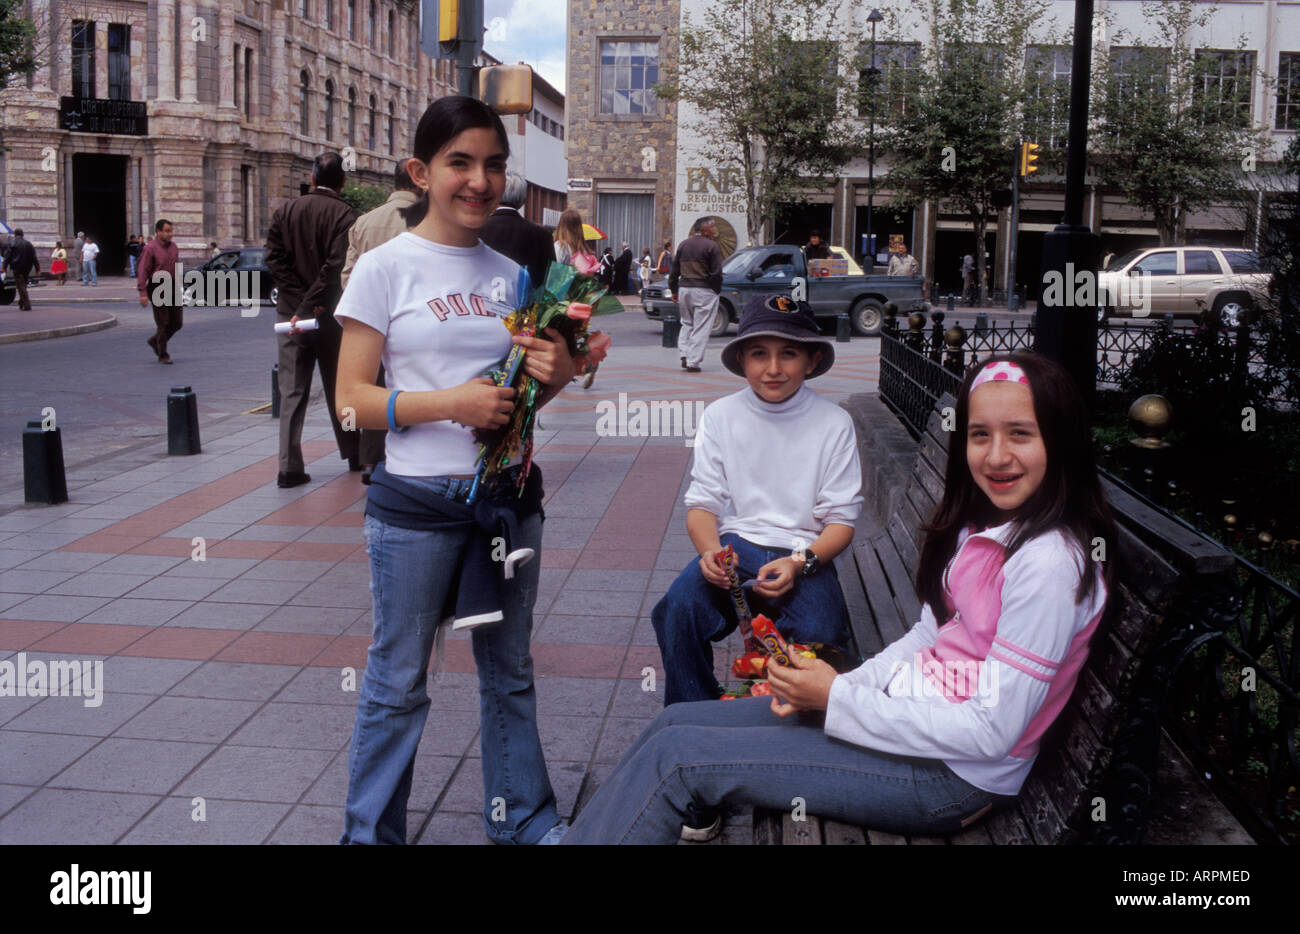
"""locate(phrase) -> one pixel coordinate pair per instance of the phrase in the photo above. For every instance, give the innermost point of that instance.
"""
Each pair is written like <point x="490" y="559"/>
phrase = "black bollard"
<point x="275" y="390"/>
<point x="1013" y="303"/>
<point x="672" y="328"/>
<point x="43" y="478"/>
<point x="182" y="421"/>
<point x="952" y="302"/>
<point x="843" y="328"/>
<point x="981" y="323"/>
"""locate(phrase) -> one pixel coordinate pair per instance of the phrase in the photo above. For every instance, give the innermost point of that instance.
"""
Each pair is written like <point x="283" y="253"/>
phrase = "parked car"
<point x="761" y="269"/>
<point x="9" y="292"/>
<point x="249" y="260"/>
<point x="1183" y="281"/>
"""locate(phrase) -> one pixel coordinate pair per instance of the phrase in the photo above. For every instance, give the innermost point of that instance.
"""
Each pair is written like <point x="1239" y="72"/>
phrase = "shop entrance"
<point x="99" y="206"/>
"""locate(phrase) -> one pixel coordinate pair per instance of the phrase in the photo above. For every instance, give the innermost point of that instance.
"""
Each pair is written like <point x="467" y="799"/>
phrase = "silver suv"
<point x="1184" y="281"/>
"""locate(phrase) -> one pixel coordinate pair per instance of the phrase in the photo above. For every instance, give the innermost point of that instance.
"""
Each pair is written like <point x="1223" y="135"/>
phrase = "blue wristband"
<point x="392" y="413"/>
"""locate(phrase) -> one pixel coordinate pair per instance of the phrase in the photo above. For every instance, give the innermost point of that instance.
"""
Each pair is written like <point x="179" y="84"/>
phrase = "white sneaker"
<point x="554" y="835"/>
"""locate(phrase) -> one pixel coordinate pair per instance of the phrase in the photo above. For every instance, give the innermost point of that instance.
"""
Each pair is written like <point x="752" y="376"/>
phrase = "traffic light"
<point x="1028" y="156"/>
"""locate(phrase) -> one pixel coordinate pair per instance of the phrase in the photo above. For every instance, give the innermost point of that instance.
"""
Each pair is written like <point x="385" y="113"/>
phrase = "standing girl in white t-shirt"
<point x="429" y="303"/>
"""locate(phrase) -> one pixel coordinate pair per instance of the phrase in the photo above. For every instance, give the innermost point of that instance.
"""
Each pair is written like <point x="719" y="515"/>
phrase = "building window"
<point x="371" y="24"/>
<point x="238" y="76"/>
<point x="329" y="110"/>
<point x="392" y="119"/>
<point x="370" y="137"/>
<point x="119" y="62"/>
<point x="894" y="71"/>
<point x="304" y="9"/>
<point x="352" y="116"/>
<point x="628" y="73"/>
<point x="248" y="82"/>
<point x="392" y="34"/>
<point x="1224" y="82"/>
<point x="352" y="19"/>
<point x="304" y="110"/>
<point x="1288" y="91"/>
<point x="83" y="58"/>
<point x="329" y="14"/>
<point x="1047" y="110"/>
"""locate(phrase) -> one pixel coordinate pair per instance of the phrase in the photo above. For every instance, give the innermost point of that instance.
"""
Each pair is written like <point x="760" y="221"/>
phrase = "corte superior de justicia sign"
<point x="97" y="115"/>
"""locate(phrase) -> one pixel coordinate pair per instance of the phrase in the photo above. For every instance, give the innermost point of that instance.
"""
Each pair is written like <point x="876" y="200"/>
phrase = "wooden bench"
<point x="1093" y="776"/>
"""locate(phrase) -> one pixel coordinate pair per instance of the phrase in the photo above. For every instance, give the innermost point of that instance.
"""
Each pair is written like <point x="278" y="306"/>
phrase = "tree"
<point x="17" y="43"/>
<point x="764" y="76"/>
<point x="1173" y="123"/>
<point x="363" y="198"/>
<point x="967" y="109"/>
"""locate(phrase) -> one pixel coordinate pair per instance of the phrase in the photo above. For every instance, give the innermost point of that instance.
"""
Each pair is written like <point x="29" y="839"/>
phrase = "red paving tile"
<point x="90" y="638"/>
<point x="359" y="556"/>
<point x="621" y="559"/>
<point x="459" y="658"/>
<point x="179" y="642"/>
<point x="564" y="449"/>
<point x="241" y="549"/>
<point x="343" y="652"/>
<point x="578" y="660"/>
<point x="275" y="648"/>
<point x="106" y="543"/>
<point x="559" y="557"/>
<point x="353" y="520"/>
<point x="174" y="547"/>
<point x="20" y="633"/>
<point x="314" y="551"/>
<point x="640" y="657"/>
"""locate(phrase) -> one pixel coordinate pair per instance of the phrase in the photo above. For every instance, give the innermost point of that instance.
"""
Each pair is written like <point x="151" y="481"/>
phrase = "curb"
<point x="101" y="325"/>
<point x="71" y="301"/>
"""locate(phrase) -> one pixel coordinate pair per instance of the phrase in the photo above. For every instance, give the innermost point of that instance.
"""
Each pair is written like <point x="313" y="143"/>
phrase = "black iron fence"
<point x="1235" y="702"/>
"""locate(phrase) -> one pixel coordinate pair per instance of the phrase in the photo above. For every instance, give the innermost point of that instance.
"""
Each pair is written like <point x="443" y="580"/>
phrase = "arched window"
<point x="370" y="137"/>
<point x="329" y="110"/>
<point x="352" y="116"/>
<point x="304" y="113"/>
<point x="392" y="121"/>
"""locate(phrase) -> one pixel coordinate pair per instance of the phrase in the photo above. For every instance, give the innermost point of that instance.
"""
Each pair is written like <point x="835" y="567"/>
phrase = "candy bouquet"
<point x="565" y="301"/>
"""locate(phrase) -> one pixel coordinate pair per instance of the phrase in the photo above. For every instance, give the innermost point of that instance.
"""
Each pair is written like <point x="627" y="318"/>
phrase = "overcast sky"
<point x="533" y="34"/>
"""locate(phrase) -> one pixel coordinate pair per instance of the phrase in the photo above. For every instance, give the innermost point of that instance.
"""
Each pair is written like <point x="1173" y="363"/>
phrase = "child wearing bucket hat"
<point x="776" y="476"/>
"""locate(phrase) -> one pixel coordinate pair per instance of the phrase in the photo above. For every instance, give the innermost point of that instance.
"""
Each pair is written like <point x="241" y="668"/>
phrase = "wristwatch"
<point x="811" y="564"/>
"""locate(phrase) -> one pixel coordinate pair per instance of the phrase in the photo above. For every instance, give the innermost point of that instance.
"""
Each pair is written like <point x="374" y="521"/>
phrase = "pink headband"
<point x="999" y="372"/>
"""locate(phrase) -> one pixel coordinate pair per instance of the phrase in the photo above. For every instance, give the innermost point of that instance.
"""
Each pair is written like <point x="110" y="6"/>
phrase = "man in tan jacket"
<point x="372" y="229"/>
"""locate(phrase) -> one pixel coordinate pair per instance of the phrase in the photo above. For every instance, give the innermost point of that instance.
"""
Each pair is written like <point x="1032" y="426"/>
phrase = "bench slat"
<point x="904" y="546"/>
<point x="905" y="596"/>
<point x="767" y="827"/>
<point x="1045" y="821"/>
<point x="838" y="834"/>
<point x="927" y="841"/>
<point x="911" y="520"/>
<point x="1006" y="828"/>
<point x="801" y="832"/>
<point x="975" y="835"/>
<point x="862" y="622"/>
<point x="889" y="621"/>
<point x="885" y="838"/>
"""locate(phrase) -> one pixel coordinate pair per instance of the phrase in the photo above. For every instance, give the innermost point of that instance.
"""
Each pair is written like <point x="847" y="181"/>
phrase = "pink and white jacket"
<point x="979" y="691"/>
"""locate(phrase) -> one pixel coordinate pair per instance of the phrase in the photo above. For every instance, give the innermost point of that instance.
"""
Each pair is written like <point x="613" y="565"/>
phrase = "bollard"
<point x="1013" y="303"/>
<point x="952" y="302"/>
<point x="43" y="478"/>
<point x="275" y="390"/>
<point x="843" y="328"/>
<point x="182" y="421"/>
<point x="672" y="328"/>
<point x="981" y="322"/>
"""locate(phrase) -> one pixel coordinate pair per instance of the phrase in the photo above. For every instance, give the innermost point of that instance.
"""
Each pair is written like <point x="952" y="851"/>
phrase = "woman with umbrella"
<point x="571" y="238"/>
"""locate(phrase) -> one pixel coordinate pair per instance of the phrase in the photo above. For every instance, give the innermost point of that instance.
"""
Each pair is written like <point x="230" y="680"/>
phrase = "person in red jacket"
<point x="160" y="256"/>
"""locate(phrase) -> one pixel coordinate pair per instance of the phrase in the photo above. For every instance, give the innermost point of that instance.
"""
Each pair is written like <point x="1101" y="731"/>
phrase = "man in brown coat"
<point x="160" y="255"/>
<point x="305" y="251"/>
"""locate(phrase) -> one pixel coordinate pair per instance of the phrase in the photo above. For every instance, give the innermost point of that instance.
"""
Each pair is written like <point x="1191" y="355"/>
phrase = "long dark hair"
<point x="1069" y="498"/>
<point x="444" y="120"/>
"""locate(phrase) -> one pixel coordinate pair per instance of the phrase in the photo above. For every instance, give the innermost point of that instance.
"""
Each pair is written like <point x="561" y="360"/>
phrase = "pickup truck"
<point x="779" y="268"/>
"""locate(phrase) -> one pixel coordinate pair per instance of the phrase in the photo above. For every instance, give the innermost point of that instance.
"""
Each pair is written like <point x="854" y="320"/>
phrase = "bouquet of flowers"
<point x="565" y="301"/>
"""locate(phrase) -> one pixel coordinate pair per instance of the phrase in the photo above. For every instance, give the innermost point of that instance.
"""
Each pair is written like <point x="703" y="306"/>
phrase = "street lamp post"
<point x="872" y="72"/>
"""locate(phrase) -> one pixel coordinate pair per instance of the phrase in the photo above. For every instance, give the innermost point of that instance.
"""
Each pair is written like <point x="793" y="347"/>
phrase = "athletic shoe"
<point x="702" y="824"/>
<point x="692" y="369"/>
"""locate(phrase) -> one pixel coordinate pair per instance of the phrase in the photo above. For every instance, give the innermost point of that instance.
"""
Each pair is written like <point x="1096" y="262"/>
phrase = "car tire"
<point x="721" y="320"/>
<point x="1231" y="310"/>
<point x="867" y="316"/>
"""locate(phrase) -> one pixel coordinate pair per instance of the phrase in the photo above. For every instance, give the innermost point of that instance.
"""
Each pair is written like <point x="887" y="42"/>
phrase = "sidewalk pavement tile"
<point x="246" y="590"/>
<point x="617" y="737"/>
<point x="297" y="726"/>
<point x="605" y="581"/>
<point x="33" y="582"/>
<point x="139" y="564"/>
<point x="139" y="766"/>
<point x="446" y="828"/>
<point x="70" y="715"/>
<point x="314" y="824"/>
<point x="188" y="719"/>
<point x="9" y="599"/>
<point x="179" y="642"/>
<point x="324" y="686"/>
<point x="87" y="818"/>
<point x="12" y="557"/>
<point x="450" y="733"/>
<point x="256" y="773"/>
<point x="92" y="584"/>
<point x="225" y="823"/>
<point x="17" y="634"/>
<point x="144" y="675"/>
<point x="587" y="697"/>
<point x="137" y="612"/>
<point x="428" y="779"/>
<point x="96" y="638"/>
<point x="568" y="738"/>
<point x="11" y="707"/>
<point x="222" y="616"/>
<point x="597" y="603"/>
<point x="329" y="591"/>
<point x="170" y="588"/>
<point x="66" y="561"/>
<point x="10" y="795"/>
<point x="275" y="648"/>
<point x="631" y="701"/>
<point x="216" y="568"/>
<point x="234" y="681"/>
<point x="323" y="620"/>
<point x="35" y="758"/>
<point x="614" y="630"/>
<point x="272" y="569"/>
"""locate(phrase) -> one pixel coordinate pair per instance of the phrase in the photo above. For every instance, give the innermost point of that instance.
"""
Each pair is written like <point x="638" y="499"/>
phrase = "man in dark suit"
<point x="21" y="260"/>
<point x="306" y="248"/>
<point x="622" y="266"/>
<point x="509" y="233"/>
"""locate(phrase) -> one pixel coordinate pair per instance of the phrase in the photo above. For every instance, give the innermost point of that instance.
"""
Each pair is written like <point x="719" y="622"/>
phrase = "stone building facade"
<point x="620" y="141"/>
<point x="206" y="113"/>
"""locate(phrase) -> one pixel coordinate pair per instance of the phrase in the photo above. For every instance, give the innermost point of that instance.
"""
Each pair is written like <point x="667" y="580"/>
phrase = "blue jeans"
<point x="410" y="572"/>
<point x="694" y="614"/>
<point x="731" y="753"/>
<point x="89" y="274"/>
<point x="131" y="261"/>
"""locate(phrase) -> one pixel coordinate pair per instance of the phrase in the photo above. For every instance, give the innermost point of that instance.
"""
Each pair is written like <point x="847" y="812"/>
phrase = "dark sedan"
<point x="232" y="277"/>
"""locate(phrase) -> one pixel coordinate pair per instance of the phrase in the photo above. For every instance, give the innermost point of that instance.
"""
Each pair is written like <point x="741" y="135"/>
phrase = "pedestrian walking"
<point x="622" y="270"/>
<point x="371" y="230"/>
<point x="968" y="291"/>
<point x="20" y="259"/>
<point x="59" y="262"/>
<point x="134" y="247"/>
<point x="904" y="264"/>
<point x="644" y="270"/>
<point x="570" y="246"/>
<point x="664" y="265"/>
<point x="696" y="280"/>
<point x="160" y="256"/>
<point x="89" y="262"/>
<point x="77" y="246"/>
<point x="402" y="304"/>
<point x="306" y="248"/>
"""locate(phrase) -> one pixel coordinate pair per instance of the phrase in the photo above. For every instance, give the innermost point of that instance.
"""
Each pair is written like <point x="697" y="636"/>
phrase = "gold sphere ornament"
<point x="1265" y="539"/>
<point x="1230" y="521"/>
<point x="955" y="336"/>
<point x="1150" y="417"/>
<point x="916" y="321"/>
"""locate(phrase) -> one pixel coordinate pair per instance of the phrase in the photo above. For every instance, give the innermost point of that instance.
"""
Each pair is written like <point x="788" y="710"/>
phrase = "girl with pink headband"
<point x="942" y="726"/>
